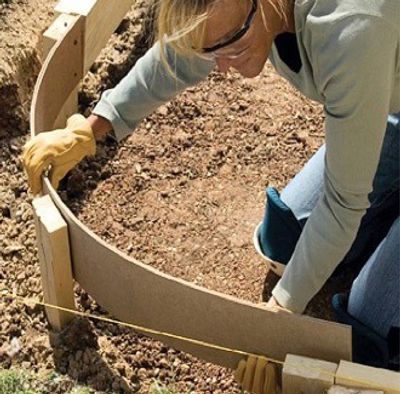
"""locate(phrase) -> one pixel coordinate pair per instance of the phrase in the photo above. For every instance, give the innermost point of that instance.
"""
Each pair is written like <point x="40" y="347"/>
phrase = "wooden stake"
<point x="50" y="37"/>
<point x="344" y="390"/>
<point x="102" y="17"/>
<point x="307" y="375"/>
<point x="62" y="71"/>
<point x="362" y="376"/>
<point x="56" y="30"/>
<point x="55" y="263"/>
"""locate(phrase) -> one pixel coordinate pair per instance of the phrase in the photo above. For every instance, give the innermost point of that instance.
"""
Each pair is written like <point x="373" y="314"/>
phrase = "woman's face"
<point x="249" y="54"/>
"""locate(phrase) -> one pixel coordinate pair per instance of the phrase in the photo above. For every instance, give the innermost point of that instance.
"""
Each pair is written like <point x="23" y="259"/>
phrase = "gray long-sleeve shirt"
<point x="350" y="62"/>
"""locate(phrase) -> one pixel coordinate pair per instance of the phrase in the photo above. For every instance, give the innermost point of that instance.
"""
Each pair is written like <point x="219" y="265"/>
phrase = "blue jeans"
<point x="376" y="246"/>
<point x="375" y="294"/>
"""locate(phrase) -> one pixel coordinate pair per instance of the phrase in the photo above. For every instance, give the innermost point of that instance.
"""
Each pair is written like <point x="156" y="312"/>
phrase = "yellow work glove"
<point x="63" y="149"/>
<point x="257" y="376"/>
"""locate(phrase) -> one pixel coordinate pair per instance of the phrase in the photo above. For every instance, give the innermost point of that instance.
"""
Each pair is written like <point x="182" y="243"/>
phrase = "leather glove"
<point x="257" y="376"/>
<point x="63" y="149"/>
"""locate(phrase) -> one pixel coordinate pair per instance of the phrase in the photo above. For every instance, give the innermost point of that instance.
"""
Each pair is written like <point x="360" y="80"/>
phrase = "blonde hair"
<point x="182" y="23"/>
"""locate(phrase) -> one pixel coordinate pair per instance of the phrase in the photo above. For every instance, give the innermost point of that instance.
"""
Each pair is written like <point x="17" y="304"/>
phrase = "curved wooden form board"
<point x="139" y="294"/>
<point x="136" y="293"/>
<point x="60" y="74"/>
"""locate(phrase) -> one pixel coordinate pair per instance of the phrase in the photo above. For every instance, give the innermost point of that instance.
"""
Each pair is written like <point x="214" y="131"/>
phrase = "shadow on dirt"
<point x="77" y="353"/>
<point x="15" y="96"/>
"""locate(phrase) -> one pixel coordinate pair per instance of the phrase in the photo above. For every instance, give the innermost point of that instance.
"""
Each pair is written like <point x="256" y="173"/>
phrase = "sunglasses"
<point x="212" y="51"/>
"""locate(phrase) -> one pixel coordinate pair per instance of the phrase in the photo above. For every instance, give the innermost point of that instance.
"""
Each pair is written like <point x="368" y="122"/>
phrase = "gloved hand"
<point x="273" y="305"/>
<point x="63" y="149"/>
<point x="257" y="376"/>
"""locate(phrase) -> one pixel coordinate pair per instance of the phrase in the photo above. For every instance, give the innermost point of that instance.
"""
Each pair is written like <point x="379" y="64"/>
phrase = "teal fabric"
<point x="279" y="230"/>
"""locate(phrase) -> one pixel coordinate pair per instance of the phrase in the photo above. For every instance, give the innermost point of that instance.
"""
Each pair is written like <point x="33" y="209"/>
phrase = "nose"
<point x="223" y="64"/>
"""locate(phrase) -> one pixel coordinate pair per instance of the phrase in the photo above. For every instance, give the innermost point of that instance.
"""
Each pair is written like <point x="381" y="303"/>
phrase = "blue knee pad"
<point x="279" y="230"/>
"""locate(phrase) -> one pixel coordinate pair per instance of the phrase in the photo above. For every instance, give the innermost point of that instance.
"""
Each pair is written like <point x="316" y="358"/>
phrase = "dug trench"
<point x="183" y="194"/>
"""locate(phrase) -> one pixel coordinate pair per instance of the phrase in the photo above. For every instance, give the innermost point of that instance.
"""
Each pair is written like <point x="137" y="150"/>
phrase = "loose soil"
<point x="182" y="194"/>
<point x="21" y="22"/>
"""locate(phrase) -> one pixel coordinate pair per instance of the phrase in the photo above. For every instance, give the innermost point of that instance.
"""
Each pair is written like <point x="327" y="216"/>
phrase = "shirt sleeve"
<point x="148" y="85"/>
<point x="354" y="71"/>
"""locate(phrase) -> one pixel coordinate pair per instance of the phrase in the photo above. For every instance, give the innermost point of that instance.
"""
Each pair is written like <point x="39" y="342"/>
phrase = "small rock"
<point x="12" y="249"/>
<point x="14" y="348"/>
<point x="163" y="110"/>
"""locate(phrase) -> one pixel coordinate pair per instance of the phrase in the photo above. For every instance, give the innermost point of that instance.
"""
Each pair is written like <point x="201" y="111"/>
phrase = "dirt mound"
<point x="21" y="23"/>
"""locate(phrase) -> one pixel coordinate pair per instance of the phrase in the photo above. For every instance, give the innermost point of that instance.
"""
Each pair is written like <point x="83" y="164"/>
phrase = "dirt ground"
<point x="182" y="194"/>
